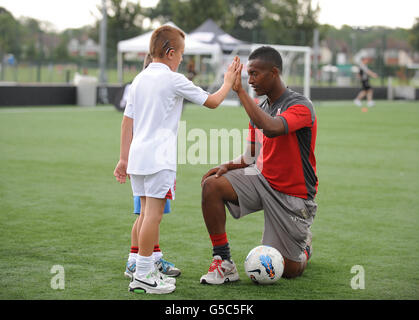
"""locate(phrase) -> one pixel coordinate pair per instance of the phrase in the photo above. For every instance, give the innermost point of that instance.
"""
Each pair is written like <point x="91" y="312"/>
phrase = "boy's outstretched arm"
<point x="215" y="99"/>
<point x="120" y="171"/>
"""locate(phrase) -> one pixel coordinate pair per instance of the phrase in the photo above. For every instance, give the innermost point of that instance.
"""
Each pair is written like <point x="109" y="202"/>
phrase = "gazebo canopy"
<point x="210" y="33"/>
<point x="141" y="44"/>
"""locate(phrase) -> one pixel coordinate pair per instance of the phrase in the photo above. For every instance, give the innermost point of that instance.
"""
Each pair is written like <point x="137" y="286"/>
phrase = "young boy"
<point x="165" y="267"/>
<point x="148" y="143"/>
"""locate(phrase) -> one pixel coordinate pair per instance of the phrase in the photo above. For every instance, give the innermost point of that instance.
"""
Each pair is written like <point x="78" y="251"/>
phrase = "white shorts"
<point x="161" y="185"/>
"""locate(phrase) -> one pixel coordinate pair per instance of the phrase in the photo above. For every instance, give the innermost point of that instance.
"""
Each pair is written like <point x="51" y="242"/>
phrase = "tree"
<point x="125" y="20"/>
<point x="241" y="18"/>
<point x="30" y="35"/>
<point x="60" y="53"/>
<point x="245" y="19"/>
<point x="190" y="14"/>
<point x="273" y="21"/>
<point x="414" y="36"/>
<point x="289" y="22"/>
<point x="9" y="34"/>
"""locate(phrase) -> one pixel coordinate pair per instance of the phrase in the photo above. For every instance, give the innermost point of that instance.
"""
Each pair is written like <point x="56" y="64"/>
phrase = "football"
<point x="264" y="265"/>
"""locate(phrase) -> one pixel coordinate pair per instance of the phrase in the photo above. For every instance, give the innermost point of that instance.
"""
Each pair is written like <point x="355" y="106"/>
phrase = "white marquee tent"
<point x="209" y="32"/>
<point x="141" y="43"/>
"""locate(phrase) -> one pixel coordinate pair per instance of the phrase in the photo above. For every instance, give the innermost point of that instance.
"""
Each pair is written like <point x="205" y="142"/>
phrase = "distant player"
<point x="276" y="174"/>
<point x="148" y="143"/>
<point x="364" y="75"/>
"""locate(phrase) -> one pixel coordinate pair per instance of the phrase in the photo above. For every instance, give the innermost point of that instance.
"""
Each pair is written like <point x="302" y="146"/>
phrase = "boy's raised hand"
<point x="232" y="71"/>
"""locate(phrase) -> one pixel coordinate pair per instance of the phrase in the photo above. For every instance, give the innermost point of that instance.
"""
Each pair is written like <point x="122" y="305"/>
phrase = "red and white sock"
<point x="157" y="254"/>
<point x="133" y="254"/>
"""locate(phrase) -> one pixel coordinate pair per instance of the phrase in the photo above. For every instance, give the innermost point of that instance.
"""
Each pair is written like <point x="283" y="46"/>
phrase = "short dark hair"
<point x="267" y="54"/>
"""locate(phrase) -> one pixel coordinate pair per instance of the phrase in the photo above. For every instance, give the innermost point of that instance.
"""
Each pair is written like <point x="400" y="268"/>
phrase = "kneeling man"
<point x="276" y="174"/>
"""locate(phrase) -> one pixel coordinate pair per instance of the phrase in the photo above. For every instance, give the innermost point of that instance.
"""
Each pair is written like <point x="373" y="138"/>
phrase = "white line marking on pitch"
<point x="53" y="109"/>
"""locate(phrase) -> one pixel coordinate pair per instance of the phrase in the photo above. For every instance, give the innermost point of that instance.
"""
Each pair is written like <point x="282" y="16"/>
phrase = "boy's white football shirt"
<point x="155" y="104"/>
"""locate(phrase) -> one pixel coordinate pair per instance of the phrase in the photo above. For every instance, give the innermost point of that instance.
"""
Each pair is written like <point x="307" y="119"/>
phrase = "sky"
<point x="63" y="14"/>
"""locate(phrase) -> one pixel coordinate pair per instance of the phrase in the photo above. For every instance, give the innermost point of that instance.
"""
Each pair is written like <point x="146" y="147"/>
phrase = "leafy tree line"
<point x="280" y="21"/>
<point x="286" y="22"/>
<point x="32" y="40"/>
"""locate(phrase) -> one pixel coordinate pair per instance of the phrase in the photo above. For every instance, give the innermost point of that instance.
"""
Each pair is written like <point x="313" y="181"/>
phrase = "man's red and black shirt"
<point x="288" y="162"/>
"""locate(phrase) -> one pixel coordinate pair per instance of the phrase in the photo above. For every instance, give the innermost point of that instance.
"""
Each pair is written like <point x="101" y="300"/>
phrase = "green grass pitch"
<point x="60" y="205"/>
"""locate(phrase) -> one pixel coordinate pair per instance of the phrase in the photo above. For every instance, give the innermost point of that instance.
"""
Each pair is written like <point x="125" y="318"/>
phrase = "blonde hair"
<point x="164" y="39"/>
